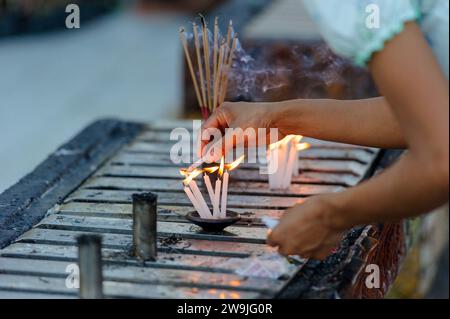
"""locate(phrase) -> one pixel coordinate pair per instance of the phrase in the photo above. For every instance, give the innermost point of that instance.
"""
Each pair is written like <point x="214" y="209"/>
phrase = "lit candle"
<point x="282" y="164"/>
<point x="223" y="205"/>
<point x="295" y="170"/>
<point x="272" y="162"/>
<point x="290" y="165"/>
<point x="216" y="207"/>
<point x="194" y="202"/>
<point x="209" y="187"/>
<point x="201" y="201"/>
<point x="296" y="167"/>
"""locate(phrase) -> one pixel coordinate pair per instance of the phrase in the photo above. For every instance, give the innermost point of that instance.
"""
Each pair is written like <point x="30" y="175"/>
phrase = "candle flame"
<point x="297" y="138"/>
<point x="235" y="164"/>
<point x="184" y="172"/>
<point x="211" y="169"/>
<point x="303" y="146"/>
<point x="190" y="176"/>
<point x="221" y="167"/>
<point x="285" y="140"/>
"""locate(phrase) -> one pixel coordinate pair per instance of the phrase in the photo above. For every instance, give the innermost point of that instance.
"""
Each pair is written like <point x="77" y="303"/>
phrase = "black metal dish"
<point x="213" y="225"/>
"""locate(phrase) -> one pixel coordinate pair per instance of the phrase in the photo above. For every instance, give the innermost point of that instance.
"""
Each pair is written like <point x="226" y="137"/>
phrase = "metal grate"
<point x="190" y="264"/>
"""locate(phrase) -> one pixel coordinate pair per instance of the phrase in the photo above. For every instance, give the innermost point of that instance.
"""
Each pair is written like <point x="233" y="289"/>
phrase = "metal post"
<point x="144" y="225"/>
<point x="90" y="266"/>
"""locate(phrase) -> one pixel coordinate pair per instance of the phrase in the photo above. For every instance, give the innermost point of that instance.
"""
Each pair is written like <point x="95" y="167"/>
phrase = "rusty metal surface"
<point x="190" y="263"/>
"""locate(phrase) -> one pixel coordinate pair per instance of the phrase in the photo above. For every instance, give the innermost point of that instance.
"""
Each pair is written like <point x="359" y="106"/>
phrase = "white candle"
<point x="289" y="166"/>
<point x="223" y="205"/>
<point x="295" y="170"/>
<point x="209" y="187"/>
<point x="201" y="201"/>
<point x="282" y="161"/>
<point x="216" y="207"/>
<point x="194" y="201"/>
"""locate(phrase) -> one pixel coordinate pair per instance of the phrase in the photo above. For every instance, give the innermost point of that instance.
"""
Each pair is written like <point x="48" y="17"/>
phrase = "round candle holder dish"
<point x="213" y="225"/>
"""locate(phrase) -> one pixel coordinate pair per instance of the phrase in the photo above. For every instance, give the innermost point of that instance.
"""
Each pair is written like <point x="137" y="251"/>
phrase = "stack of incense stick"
<point x="283" y="161"/>
<point x="218" y="195"/>
<point x="213" y="62"/>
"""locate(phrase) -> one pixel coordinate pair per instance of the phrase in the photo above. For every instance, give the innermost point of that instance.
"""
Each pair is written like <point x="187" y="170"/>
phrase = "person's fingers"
<point x="284" y="250"/>
<point x="204" y="132"/>
<point x="199" y="144"/>
<point x="212" y="121"/>
<point x="205" y="139"/>
<point x="272" y="239"/>
<point x="218" y="120"/>
<point x="214" y="153"/>
<point x="231" y="140"/>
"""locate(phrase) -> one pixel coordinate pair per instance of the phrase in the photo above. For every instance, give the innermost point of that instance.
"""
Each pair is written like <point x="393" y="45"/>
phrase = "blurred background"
<point x="123" y="61"/>
<point x="126" y="61"/>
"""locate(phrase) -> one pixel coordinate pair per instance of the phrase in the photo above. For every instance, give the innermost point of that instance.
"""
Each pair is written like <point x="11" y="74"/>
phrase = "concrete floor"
<point x="54" y="84"/>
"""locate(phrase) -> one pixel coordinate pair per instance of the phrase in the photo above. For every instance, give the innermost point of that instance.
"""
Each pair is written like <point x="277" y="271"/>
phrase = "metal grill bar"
<point x="190" y="264"/>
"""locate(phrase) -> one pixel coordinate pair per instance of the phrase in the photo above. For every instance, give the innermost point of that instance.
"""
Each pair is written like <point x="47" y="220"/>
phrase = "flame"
<point x="297" y="138"/>
<point x="211" y="169"/>
<point x="235" y="283"/>
<point x="235" y="164"/>
<point x="221" y="167"/>
<point x="184" y="172"/>
<point x="190" y="176"/>
<point x="283" y="141"/>
<point x="303" y="146"/>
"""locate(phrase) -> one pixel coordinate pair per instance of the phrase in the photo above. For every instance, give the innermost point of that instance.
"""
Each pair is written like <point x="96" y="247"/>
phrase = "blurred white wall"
<point x="52" y="85"/>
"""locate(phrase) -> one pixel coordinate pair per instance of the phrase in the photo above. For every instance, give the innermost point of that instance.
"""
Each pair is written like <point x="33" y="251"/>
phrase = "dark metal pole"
<point x="90" y="266"/>
<point x="144" y="225"/>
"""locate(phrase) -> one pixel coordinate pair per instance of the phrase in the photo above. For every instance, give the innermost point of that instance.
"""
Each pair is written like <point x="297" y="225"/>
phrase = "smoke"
<point x="275" y="71"/>
<point x="279" y="71"/>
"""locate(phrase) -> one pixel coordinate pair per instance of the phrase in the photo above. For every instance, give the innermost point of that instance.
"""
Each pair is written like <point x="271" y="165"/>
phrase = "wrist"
<point x="334" y="215"/>
<point x="287" y="116"/>
<point x="272" y="112"/>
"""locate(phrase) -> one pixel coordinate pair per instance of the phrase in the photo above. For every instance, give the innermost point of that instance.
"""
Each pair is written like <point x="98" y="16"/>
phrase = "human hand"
<point x="242" y="115"/>
<point x="305" y="230"/>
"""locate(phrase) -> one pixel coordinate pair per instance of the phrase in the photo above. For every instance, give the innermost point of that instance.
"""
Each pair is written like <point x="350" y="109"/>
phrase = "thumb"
<point x="231" y="140"/>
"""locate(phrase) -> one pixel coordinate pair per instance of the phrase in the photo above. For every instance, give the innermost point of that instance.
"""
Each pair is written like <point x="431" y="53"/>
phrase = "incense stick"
<point x="218" y="75"/>
<point x="211" y="83"/>
<point x="224" y="86"/>
<point x="215" y="46"/>
<point x="199" y="62"/>
<point x="189" y="62"/>
<point x="207" y="61"/>
<point x="229" y="32"/>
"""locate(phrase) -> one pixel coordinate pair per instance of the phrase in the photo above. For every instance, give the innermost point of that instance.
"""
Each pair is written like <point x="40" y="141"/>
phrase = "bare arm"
<point x="368" y="122"/>
<point x="408" y="75"/>
<point x="411" y="80"/>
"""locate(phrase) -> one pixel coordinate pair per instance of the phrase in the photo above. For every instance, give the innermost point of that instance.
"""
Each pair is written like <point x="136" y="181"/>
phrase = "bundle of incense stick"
<point x="218" y="195"/>
<point x="213" y="62"/>
<point x="283" y="161"/>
